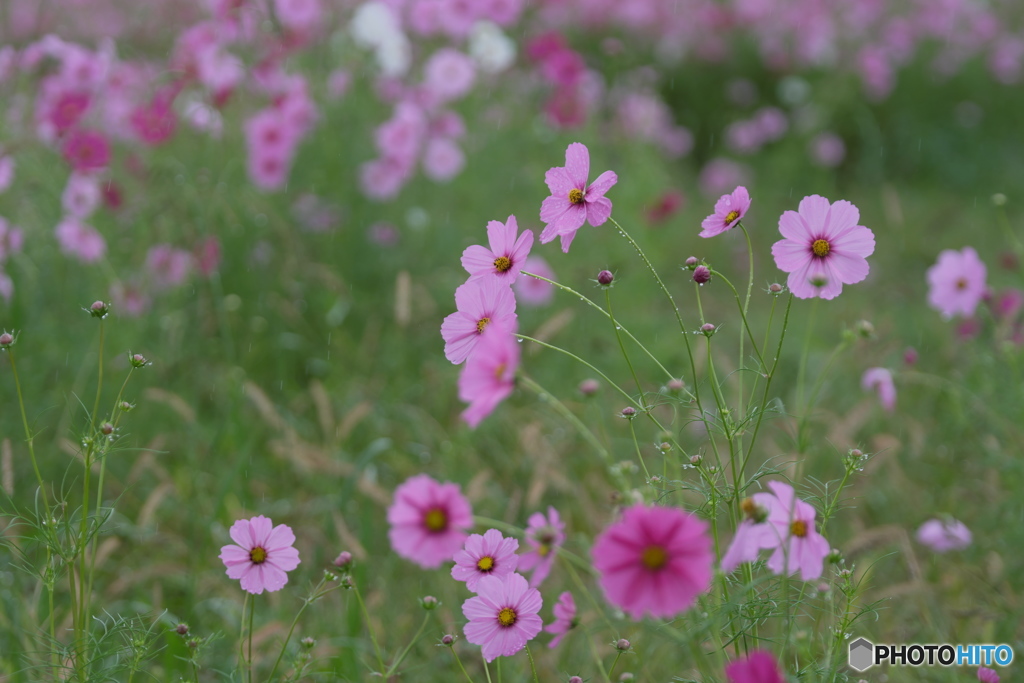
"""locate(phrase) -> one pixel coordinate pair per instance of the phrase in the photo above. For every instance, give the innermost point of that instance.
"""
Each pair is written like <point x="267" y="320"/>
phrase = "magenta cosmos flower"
<point x="987" y="675"/>
<point x="956" y="283"/>
<point x="263" y="554"/>
<point x="428" y="521"/>
<point x="572" y="202"/>
<point x="943" y="535"/>
<point x="489" y="555"/>
<point x="801" y="548"/>
<point x="655" y="560"/>
<point x="489" y="375"/>
<point x="880" y="380"/>
<point x="824" y="248"/>
<point x="506" y="255"/>
<point x="479" y="303"/>
<point x="503" y="617"/>
<point x="545" y="534"/>
<point x="729" y="210"/>
<point x="758" y="667"/>
<point x="565" y="618"/>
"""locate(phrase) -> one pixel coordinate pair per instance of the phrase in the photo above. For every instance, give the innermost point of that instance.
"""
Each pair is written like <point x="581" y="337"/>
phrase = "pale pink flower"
<point x="801" y="548"/>
<point x="573" y="202"/>
<point x="86" y="150"/>
<point x="754" y="533"/>
<point x="719" y="174"/>
<point x="489" y="375"/>
<point x="655" y="560"/>
<point x="338" y="83"/>
<point x="81" y="195"/>
<point x="503" y="617"/>
<point x="442" y="160"/>
<point x="729" y="210"/>
<point x="488" y="555"/>
<point x="6" y="286"/>
<point x="129" y="298"/>
<point x="956" y="283"/>
<point x="479" y="303"/>
<point x="943" y="535"/>
<point x="545" y="534"/>
<point x="449" y="74"/>
<point x="263" y="556"/>
<point x="827" y="149"/>
<point x="382" y="179"/>
<point x="11" y="239"/>
<point x="80" y="240"/>
<point x="167" y="266"/>
<point x="880" y="380"/>
<point x="565" y="618"/>
<point x="298" y="15"/>
<point x="428" y="521"/>
<point x="268" y="170"/>
<point x="758" y="667"/>
<point x="824" y="247"/>
<point x="530" y="290"/>
<point x="505" y="256"/>
<point x="986" y="675"/>
<point x="6" y="171"/>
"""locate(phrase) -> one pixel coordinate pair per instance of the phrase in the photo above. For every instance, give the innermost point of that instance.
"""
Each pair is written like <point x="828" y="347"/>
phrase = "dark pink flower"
<point x="956" y="283"/>
<point x="655" y="560"/>
<point x="506" y="255"/>
<point x="263" y="555"/>
<point x="154" y="122"/>
<point x="428" y="521"/>
<point x="565" y="618"/>
<point x="986" y="675"/>
<point x="880" y="380"/>
<point x="824" y="248"/>
<point x="86" y="150"/>
<point x="758" y="667"/>
<point x="488" y="555"/>
<point x="479" y="303"/>
<point x="573" y="202"/>
<point x="943" y="535"/>
<point x="503" y="617"/>
<point x="489" y="375"/>
<point x="729" y="210"/>
<point x="545" y="534"/>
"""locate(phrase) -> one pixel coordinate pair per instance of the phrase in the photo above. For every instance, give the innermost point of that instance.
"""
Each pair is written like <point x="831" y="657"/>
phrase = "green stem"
<point x="28" y="436"/>
<point x="461" y="667"/>
<point x="252" y="612"/>
<point x="487" y="670"/>
<point x="611" y="669"/>
<point x="369" y="627"/>
<point x="564" y="411"/>
<point x="415" y="639"/>
<point x="577" y="358"/>
<point x="639" y="455"/>
<point x="533" y="666"/>
<point x="314" y="595"/>
<point x="241" y="634"/>
<point x="622" y="347"/>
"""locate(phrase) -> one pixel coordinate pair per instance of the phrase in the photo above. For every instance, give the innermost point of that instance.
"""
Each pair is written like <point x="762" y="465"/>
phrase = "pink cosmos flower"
<point x="129" y="298"/>
<point x="449" y="74"/>
<point x="68" y="108"/>
<point x="81" y="195"/>
<point x="565" y="618"/>
<point x="298" y="15"/>
<point x="956" y="283"/>
<point x="824" y="248"/>
<point x="489" y="555"/>
<point x="572" y="201"/>
<point x="489" y="375"/>
<point x="80" y="240"/>
<point x="86" y="150"/>
<point x="827" y="149"/>
<point x="545" y="535"/>
<point x="167" y="266"/>
<point x="1008" y="303"/>
<point x="506" y="255"/>
<point x="428" y="521"/>
<point x="503" y="616"/>
<point x="11" y="239"/>
<point x="719" y="174"/>
<point x="729" y="210"/>
<point x="154" y="122"/>
<point x="986" y="675"/>
<point x="880" y="380"/>
<point x="754" y="533"/>
<point x="6" y="286"/>
<point x="758" y="667"/>
<point x="530" y="290"/>
<point x="443" y="160"/>
<point x="263" y="555"/>
<point x="655" y="560"/>
<point x="6" y="171"/>
<point x="479" y="303"/>
<point x="801" y="548"/>
<point x="943" y="535"/>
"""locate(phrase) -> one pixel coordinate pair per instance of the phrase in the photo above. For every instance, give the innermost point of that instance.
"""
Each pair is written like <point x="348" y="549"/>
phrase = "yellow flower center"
<point x="481" y="324"/>
<point x="544" y="550"/>
<point x="731" y="216"/>
<point x="821" y="248"/>
<point x="798" y="529"/>
<point x="502" y="264"/>
<point x="576" y="196"/>
<point x="499" y="371"/>
<point x="485" y="564"/>
<point x="507" y="616"/>
<point x="436" y="520"/>
<point x="961" y="283"/>
<point x="258" y="555"/>
<point x="654" y="557"/>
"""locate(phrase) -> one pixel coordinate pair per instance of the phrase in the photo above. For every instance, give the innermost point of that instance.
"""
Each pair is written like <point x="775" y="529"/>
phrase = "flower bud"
<point x="625" y="677"/>
<point x="675" y="385"/>
<point x="6" y="339"/>
<point x="701" y="274"/>
<point x="193" y="644"/>
<point x="429" y="602"/>
<point x="308" y="643"/>
<point x="347" y="582"/>
<point x="575" y="679"/>
<point x="137" y="360"/>
<point x="107" y="429"/>
<point x="910" y="355"/>
<point x="707" y="329"/>
<point x="447" y="639"/>
<point x="629" y="412"/>
<point x="622" y="645"/>
<point x="775" y="288"/>
<point x="605" y="278"/>
<point x="691" y="263"/>
<point x="834" y="556"/>
<point x="695" y="460"/>
<point x="589" y="387"/>
<point x="343" y="560"/>
<point x="181" y="629"/>
<point x="99" y="309"/>
<point x="865" y="329"/>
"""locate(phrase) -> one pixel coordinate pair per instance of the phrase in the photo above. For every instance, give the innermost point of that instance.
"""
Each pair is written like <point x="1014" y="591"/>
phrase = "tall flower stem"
<point x="622" y="347"/>
<point x="369" y="627"/>
<point x="533" y="666"/>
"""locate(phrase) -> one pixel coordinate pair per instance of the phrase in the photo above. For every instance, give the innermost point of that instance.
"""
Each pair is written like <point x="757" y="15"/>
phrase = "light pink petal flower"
<point x="503" y="616"/>
<point x="480" y="302"/>
<point x="880" y="380"/>
<point x="262" y="555"/>
<point x="428" y="521"/>
<point x="572" y="201"/>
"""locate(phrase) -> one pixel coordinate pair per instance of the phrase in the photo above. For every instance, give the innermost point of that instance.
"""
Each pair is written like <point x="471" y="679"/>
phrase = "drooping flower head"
<point x="880" y="380"/>
<point x="428" y="521"/>
<point x="479" y="303"/>
<point x="801" y="548"/>
<point x="956" y="283"/>
<point x="489" y="376"/>
<point x="506" y="255"/>
<point x="565" y="618"/>
<point x="573" y="202"/>
<point x="503" y="617"/>
<point x="943" y="535"/>
<point x="262" y="556"/>
<point x="754" y="533"/>
<point x="824" y="247"/>
<point x="758" y="667"/>
<point x="545" y="534"/>
<point x="655" y="560"/>
<point x="488" y="555"/>
<point x="729" y="210"/>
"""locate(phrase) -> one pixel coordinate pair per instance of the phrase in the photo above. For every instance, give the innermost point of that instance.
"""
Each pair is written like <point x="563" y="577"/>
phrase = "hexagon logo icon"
<point x="862" y="654"/>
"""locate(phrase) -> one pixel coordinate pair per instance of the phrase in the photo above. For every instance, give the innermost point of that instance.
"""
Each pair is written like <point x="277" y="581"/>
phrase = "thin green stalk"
<point x="415" y="639"/>
<point x="487" y="670"/>
<point x="314" y="595"/>
<point x="369" y="627"/>
<point x="252" y="612"/>
<point x="28" y="435"/>
<point x="622" y="347"/>
<point x="577" y="358"/>
<point x="99" y="379"/>
<point x="743" y="316"/>
<point x="241" y="634"/>
<point x="533" y="666"/>
<point x="564" y="411"/>
<point x="639" y="455"/>
<point x="611" y="669"/>
<point x="461" y="667"/>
